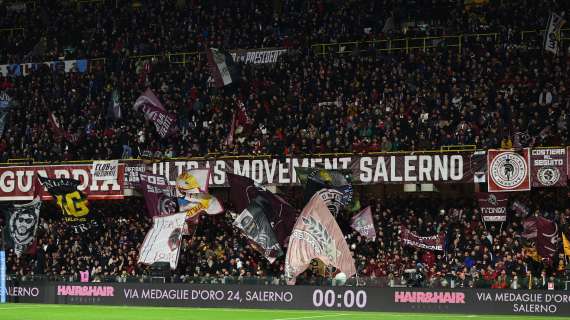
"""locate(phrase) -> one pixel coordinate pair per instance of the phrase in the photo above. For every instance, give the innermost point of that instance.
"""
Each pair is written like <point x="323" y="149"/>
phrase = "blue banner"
<point x="2" y="277"/>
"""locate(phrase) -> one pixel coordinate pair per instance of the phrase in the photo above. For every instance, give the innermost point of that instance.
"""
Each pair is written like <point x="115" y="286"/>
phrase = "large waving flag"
<point x="154" y="111"/>
<point x="22" y="222"/>
<point x="162" y="242"/>
<point x="544" y="233"/>
<point x="72" y="202"/>
<point x="193" y="196"/>
<point x="159" y="195"/>
<point x="222" y="67"/>
<point x="333" y="187"/>
<point x="281" y="216"/>
<point x="193" y="181"/>
<point x="317" y="235"/>
<point x="254" y="224"/>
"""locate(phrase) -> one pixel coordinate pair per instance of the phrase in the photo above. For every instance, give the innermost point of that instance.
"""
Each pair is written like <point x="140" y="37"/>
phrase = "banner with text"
<point x="420" y="300"/>
<point x="16" y="183"/>
<point x="387" y="169"/>
<point x="493" y="206"/>
<point x="258" y="56"/>
<point x="548" y="167"/>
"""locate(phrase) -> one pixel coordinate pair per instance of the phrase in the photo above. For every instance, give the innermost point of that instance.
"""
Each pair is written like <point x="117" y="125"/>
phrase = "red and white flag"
<point x="364" y="224"/>
<point x="508" y="170"/>
<point x="316" y="235"/>
<point x="162" y="242"/>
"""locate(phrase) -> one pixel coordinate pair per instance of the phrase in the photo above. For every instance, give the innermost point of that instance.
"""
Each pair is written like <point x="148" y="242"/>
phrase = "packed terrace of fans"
<point x="475" y="256"/>
<point x="489" y="94"/>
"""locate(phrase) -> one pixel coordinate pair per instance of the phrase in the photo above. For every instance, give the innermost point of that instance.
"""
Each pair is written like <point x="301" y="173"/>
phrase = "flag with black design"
<point x="282" y="215"/>
<point x="552" y="33"/>
<point x="333" y="186"/>
<point x="22" y="222"/>
<point x="222" y="67"/>
<point x="254" y="224"/>
<point x="72" y="202"/>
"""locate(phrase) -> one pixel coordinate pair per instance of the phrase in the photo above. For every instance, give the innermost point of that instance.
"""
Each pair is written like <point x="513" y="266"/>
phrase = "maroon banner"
<point x="159" y="196"/>
<point x="154" y="111"/>
<point x="493" y="206"/>
<point x="508" y="170"/>
<point x="409" y="238"/>
<point x="545" y="234"/>
<point x="548" y="167"/>
<point x="568" y="161"/>
<point x="388" y="169"/>
<point x="364" y="224"/>
<point x="16" y="183"/>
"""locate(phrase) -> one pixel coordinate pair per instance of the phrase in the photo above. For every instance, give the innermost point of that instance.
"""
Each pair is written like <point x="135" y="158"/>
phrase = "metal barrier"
<point x="11" y="31"/>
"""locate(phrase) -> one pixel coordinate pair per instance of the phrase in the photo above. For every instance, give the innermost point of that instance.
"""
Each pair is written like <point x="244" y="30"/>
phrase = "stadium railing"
<point x="412" y="279"/>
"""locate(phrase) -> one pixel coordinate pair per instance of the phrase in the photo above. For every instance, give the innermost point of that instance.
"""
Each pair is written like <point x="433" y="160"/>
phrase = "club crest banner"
<point x="548" y="167"/>
<point x="508" y="170"/>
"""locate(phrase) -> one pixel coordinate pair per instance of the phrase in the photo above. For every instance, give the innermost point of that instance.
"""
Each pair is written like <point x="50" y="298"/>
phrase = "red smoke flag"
<point x="508" y="170"/>
<point x="317" y="235"/>
<point x="364" y="224"/>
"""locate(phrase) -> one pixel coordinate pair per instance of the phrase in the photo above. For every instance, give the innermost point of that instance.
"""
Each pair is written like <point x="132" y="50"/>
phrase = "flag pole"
<point x="3" y="291"/>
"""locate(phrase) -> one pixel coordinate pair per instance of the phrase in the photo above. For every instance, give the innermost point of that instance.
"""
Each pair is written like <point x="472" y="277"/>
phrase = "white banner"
<point x="104" y="170"/>
<point x="162" y="242"/>
<point x="551" y="38"/>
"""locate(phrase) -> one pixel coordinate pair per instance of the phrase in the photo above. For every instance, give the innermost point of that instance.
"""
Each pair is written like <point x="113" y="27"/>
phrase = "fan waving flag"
<point x="22" y="222"/>
<point x="162" y="242"/>
<point x="544" y="233"/>
<point x="194" y="204"/>
<point x="222" y="67"/>
<point x="154" y="111"/>
<point x="282" y="215"/>
<point x="72" y="202"/>
<point x="332" y="186"/>
<point x="493" y="206"/>
<point x="363" y="224"/>
<point x="159" y="195"/>
<point x="254" y="224"/>
<point x="193" y="181"/>
<point x="193" y="196"/>
<point x="317" y="235"/>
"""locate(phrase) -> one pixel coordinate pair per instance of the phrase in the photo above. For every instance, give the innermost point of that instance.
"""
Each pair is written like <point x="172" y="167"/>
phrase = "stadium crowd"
<point x="476" y="255"/>
<point x="494" y="92"/>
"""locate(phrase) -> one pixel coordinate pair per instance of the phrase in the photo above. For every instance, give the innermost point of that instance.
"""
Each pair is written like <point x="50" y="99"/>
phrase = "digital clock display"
<point x="348" y="299"/>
